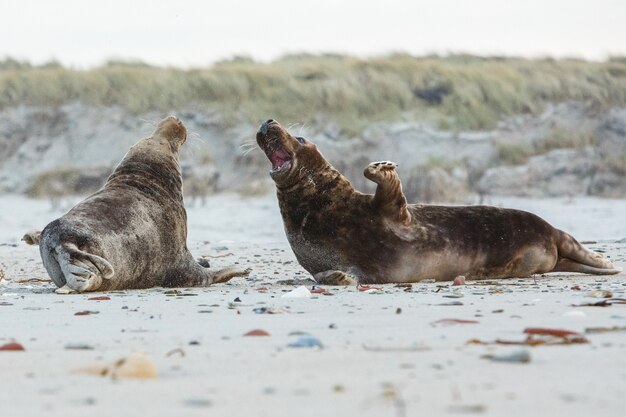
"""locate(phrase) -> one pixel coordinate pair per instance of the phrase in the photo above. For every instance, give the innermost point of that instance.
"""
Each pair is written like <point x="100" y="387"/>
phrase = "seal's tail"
<point x="574" y="257"/>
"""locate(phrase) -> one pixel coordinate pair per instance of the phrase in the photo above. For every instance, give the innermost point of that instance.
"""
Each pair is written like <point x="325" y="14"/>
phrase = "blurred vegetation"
<point x="452" y="92"/>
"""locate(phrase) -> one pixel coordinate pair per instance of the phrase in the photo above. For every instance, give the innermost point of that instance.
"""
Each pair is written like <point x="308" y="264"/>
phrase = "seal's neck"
<point x="316" y="187"/>
<point x="153" y="173"/>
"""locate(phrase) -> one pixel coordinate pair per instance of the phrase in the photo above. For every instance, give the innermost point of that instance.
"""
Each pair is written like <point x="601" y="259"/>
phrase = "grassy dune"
<point x="454" y="92"/>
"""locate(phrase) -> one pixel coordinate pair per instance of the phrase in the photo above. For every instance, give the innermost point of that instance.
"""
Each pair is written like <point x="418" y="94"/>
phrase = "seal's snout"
<point x="266" y="125"/>
<point x="172" y="128"/>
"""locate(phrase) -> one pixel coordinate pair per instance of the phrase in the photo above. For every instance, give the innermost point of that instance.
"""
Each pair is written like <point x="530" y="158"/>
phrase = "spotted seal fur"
<point x="131" y="233"/>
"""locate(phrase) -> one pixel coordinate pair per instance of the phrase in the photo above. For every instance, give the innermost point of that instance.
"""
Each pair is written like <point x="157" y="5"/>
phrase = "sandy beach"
<point x="428" y="349"/>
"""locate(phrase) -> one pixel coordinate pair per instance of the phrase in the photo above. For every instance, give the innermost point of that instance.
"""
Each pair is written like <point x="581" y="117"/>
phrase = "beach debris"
<point x="450" y="322"/>
<point x="599" y="294"/>
<point x="539" y="336"/>
<point x="29" y="280"/>
<point x="2" y="275"/>
<point x="370" y="290"/>
<point x="306" y="342"/>
<point x="270" y="310"/>
<point x="135" y="366"/>
<point x="178" y="351"/>
<point x="460" y="280"/>
<point x="411" y="348"/>
<point x="300" y="292"/>
<point x="197" y="403"/>
<point x="607" y="302"/>
<point x="467" y="409"/>
<point x="86" y="313"/>
<point x="521" y="356"/>
<point x="318" y="290"/>
<point x="100" y="298"/>
<point x="398" y="310"/>
<point x="306" y="281"/>
<point x="78" y="346"/>
<point x="497" y="311"/>
<point x="593" y="330"/>
<point x="451" y="303"/>
<point x="13" y="346"/>
<point x="262" y="289"/>
<point x="236" y="303"/>
<point x="576" y="288"/>
<point x="4" y="303"/>
<point x="257" y="332"/>
<point x="574" y="313"/>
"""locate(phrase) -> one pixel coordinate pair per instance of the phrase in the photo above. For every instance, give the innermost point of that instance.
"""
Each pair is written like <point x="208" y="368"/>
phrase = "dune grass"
<point x="475" y="92"/>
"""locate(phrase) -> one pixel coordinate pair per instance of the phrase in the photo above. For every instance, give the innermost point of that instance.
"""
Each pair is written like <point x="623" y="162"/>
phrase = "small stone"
<point x="15" y="347"/>
<point x="257" y="332"/>
<point x="460" y="280"/>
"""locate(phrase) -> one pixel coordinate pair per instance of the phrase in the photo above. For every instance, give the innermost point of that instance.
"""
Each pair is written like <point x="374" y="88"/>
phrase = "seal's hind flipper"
<point x="32" y="237"/>
<point x="83" y="271"/>
<point x="334" y="278"/>
<point x="389" y="198"/>
<point x="578" y="258"/>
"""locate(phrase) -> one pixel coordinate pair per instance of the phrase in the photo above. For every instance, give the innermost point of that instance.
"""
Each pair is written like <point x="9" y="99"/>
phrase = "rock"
<point x="558" y="172"/>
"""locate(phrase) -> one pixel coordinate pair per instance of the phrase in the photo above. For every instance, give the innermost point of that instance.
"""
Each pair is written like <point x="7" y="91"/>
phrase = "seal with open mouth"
<point x="132" y="233"/>
<point x="340" y="235"/>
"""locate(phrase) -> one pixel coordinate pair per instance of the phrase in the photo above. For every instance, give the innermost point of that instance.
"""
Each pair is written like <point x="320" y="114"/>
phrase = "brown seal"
<point x="132" y="233"/>
<point x="338" y="233"/>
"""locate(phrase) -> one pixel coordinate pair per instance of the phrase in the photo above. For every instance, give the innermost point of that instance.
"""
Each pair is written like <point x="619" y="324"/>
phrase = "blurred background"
<point x="513" y="103"/>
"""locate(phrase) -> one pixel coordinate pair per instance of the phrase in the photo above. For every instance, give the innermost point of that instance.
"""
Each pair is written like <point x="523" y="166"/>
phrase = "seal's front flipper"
<point x="389" y="198"/>
<point x="64" y="290"/>
<point x="32" y="237"/>
<point x="226" y="274"/>
<point x="334" y="278"/>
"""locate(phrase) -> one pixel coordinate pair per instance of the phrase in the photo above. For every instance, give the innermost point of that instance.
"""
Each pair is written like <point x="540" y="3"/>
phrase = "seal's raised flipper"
<point x="32" y="237"/>
<point x="334" y="278"/>
<point x="389" y="198"/>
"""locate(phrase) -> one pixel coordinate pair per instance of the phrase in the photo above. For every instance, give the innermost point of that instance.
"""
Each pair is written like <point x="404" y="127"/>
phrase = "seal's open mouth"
<point x="281" y="160"/>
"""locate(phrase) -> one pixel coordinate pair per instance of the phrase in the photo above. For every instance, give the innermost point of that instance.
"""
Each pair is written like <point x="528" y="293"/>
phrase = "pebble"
<point x="257" y="332"/>
<point x="16" y="347"/>
<point x="521" y="356"/>
<point x="306" y="342"/>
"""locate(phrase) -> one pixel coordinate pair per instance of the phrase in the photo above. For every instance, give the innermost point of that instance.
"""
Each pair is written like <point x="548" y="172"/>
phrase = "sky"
<point x="186" y="33"/>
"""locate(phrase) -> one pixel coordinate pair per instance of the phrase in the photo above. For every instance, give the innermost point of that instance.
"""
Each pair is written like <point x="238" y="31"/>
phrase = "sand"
<point x="374" y="359"/>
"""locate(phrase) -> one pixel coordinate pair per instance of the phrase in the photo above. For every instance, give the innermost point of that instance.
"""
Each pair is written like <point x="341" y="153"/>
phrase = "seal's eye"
<point x="301" y="139"/>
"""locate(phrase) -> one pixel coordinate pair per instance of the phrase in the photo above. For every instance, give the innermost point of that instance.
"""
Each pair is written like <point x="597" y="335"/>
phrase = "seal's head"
<point x="171" y="133"/>
<point x="293" y="157"/>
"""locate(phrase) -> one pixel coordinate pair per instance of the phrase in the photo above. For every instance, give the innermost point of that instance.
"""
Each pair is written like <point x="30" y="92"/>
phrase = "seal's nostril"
<point x="270" y="121"/>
